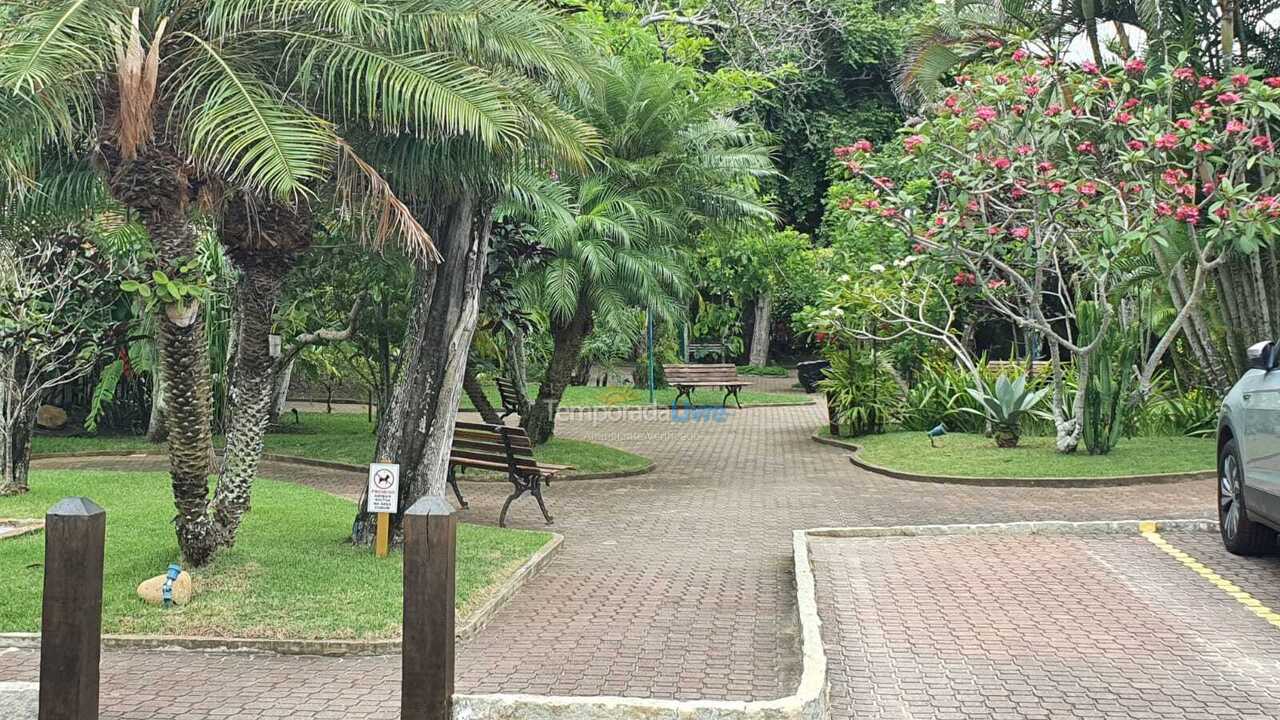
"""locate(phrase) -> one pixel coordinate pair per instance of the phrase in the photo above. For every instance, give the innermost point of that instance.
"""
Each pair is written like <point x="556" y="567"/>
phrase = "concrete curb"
<point x="1056" y="482"/>
<point x="332" y="648"/>
<point x="347" y="467"/>
<point x="810" y="701"/>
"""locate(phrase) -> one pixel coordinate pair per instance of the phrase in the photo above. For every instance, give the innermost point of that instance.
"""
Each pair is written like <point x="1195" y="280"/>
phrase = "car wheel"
<point x="1240" y="535"/>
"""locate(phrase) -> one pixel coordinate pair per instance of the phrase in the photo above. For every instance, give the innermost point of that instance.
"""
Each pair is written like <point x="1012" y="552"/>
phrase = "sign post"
<point x="383" y="499"/>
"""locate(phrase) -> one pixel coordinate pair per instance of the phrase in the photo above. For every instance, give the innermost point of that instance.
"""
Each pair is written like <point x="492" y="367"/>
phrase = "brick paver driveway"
<point x="676" y="584"/>
<point x="1090" y="626"/>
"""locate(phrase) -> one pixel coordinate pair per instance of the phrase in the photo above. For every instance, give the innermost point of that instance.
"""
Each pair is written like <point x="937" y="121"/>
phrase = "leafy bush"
<point x="939" y="395"/>
<point x="1005" y="404"/>
<point x="1193" y="413"/>
<point x="862" y="392"/>
<point x="1110" y="380"/>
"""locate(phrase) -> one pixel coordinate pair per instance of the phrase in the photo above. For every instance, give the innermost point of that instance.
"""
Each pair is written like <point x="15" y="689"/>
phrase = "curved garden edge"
<point x="475" y="621"/>
<point x="335" y="465"/>
<point x="1056" y="482"/>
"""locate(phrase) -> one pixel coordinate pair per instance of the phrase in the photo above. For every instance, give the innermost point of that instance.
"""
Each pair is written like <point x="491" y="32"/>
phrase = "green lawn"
<point x="618" y="396"/>
<point x="348" y="437"/>
<point x="977" y="456"/>
<point x="292" y="573"/>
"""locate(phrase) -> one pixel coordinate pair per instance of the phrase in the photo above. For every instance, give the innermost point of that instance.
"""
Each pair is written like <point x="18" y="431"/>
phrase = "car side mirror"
<point x="1260" y="356"/>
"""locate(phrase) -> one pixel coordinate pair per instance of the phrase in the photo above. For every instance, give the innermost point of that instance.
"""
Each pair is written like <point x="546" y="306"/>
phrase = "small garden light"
<point x="936" y="433"/>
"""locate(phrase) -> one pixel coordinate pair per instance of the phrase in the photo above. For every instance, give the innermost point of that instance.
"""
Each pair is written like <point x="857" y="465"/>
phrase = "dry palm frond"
<point x="363" y="192"/>
<point x="136" y="71"/>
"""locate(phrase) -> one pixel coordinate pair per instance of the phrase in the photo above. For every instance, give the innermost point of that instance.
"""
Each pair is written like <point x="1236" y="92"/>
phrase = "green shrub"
<point x="863" y="394"/>
<point x="765" y="371"/>
<point x="1110" y="380"/>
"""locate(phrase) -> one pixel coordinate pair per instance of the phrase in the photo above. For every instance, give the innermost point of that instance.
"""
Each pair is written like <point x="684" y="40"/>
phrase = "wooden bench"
<point x="697" y="351"/>
<point x="687" y="378"/>
<point x="501" y="449"/>
<point x="510" y="398"/>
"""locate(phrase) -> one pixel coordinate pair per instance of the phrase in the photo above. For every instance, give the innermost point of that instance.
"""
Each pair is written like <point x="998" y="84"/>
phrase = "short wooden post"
<point x="75" y="531"/>
<point x="430" y="558"/>
<point x="382" y="535"/>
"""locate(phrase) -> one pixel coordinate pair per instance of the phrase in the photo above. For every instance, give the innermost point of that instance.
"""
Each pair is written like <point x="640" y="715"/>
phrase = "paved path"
<point x="1064" y="627"/>
<point x="676" y="584"/>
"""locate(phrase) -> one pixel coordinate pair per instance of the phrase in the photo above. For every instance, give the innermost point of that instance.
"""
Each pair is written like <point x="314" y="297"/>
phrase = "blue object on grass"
<point x="166" y="593"/>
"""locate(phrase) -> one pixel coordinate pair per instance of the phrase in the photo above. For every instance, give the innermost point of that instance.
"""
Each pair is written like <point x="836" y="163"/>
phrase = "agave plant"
<point x="1005" y="404"/>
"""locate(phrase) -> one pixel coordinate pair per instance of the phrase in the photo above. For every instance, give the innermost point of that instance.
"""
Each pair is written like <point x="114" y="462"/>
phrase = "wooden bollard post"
<point x="430" y="558"/>
<point x="75" y="531"/>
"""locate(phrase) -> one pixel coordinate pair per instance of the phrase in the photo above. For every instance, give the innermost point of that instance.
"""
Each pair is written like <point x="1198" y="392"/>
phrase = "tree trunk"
<point x="158" y="424"/>
<point x="154" y="184"/>
<point x="262" y="245"/>
<point x="280" y="391"/>
<point x="15" y="450"/>
<point x="761" y="333"/>
<point x="517" y="368"/>
<point x="416" y="429"/>
<point x="471" y="384"/>
<point x="567" y="337"/>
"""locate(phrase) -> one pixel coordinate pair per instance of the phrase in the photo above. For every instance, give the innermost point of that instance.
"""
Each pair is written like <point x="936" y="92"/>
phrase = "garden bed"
<point x="292" y="574"/>
<point x="975" y="459"/>
<point x="348" y="438"/>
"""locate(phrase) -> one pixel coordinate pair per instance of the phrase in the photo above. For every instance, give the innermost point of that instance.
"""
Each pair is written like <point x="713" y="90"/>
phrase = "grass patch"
<point x="292" y="573"/>
<point x="966" y="455"/>
<point x="589" y="396"/>
<point x="349" y="438"/>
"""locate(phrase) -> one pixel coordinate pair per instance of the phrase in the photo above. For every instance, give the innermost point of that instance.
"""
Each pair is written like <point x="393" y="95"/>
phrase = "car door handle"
<point x="1247" y="396"/>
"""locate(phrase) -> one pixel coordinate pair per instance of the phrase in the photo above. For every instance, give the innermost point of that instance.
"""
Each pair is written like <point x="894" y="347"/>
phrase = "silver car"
<point x="1249" y="456"/>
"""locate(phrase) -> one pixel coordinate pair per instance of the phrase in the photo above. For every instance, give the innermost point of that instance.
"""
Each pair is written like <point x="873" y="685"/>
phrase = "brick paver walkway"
<point x="676" y="584"/>
<point x="1103" y="626"/>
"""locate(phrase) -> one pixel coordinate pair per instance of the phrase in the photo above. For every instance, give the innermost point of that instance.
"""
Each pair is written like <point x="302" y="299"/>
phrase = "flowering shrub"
<point x="1045" y="180"/>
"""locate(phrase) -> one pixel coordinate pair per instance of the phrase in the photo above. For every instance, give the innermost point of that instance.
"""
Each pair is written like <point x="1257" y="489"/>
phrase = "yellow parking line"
<point x="1152" y="534"/>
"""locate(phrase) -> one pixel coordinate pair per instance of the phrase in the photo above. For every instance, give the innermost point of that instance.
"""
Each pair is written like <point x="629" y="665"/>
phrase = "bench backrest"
<point x="493" y="443"/>
<point x="510" y="398"/>
<point x="678" y="374"/>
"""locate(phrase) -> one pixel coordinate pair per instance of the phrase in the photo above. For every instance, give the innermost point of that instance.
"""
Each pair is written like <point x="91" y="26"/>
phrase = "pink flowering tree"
<point x="1050" y="185"/>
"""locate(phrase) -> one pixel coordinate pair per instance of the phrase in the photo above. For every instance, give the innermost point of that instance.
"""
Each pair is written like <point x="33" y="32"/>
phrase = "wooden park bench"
<point x="499" y="448"/>
<point x="510" y="398"/>
<point x="697" y="351"/>
<point x="687" y="378"/>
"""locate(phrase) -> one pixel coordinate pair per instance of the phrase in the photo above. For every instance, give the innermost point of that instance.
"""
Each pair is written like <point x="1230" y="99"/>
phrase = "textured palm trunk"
<point x="262" y="246"/>
<point x="568" y="336"/>
<point x="154" y="184"/>
<point x="416" y="429"/>
<point x="760" y="335"/>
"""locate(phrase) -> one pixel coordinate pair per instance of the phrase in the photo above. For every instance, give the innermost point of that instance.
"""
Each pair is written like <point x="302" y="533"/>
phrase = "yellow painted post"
<point x="383" y="537"/>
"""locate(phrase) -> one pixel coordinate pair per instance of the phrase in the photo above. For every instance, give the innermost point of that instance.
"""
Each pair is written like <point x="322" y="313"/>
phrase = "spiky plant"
<point x="1005" y="404"/>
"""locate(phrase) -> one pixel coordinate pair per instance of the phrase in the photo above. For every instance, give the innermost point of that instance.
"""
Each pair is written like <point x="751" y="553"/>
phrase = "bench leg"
<point x="519" y="490"/>
<point x="682" y="392"/>
<point x="537" y="495"/>
<point x="453" y="483"/>
<point x="735" y="396"/>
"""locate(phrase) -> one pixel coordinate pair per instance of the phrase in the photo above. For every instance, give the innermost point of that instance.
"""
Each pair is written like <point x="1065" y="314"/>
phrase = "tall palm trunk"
<point x="517" y="368"/>
<point x="154" y="185"/>
<point x="416" y="429"/>
<point x="263" y="247"/>
<point x="158" y="423"/>
<point x="567" y="337"/>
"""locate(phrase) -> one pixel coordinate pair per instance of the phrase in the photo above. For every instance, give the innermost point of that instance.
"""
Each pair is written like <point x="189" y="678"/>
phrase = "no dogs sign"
<point x="384" y="488"/>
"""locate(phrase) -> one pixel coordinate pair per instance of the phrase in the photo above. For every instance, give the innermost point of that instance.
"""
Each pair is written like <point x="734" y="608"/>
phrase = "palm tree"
<point x="672" y="166"/>
<point x="188" y="104"/>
